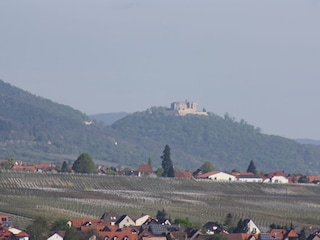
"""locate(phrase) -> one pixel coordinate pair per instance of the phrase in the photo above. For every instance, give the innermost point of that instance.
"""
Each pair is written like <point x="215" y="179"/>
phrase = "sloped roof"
<point x="4" y="233"/>
<point x="313" y="178"/>
<point x="208" y="174"/>
<point x="272" y="174"/>
<point x="87" y="222"/>
<point x="182" y="174"/>
<point x="146" y="168"/>
<point x="44" y="165"/>
<point x="212" y="226"/>
<point x="292" y="234"/>
<point x="277" y="233"/>
<point x="120" y="219"/>
<point x="24" y="168"/>
<point x="191" y="232"/>
<point x="249" y="176"/>
<point x="240" y="236"/>
<point x="242" y="173"/>
<point x="178" y="235"/>
<point x="60" y="233"/>
<point x="121" y="234"/>
<point x="157" y="229"/>
<point x="314" y="235"/>
<point x="110" y="216"/>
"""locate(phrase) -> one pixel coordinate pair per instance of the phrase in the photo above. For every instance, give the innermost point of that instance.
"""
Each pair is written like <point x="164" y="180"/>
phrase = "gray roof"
<point x="157" y="229"/>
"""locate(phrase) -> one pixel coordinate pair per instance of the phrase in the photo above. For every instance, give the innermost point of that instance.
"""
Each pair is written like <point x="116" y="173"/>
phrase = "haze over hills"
<point x="35" y="129"/>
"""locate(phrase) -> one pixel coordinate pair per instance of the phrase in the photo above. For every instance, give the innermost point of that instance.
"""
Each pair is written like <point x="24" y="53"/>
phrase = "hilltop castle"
<point x="186" y="107"/>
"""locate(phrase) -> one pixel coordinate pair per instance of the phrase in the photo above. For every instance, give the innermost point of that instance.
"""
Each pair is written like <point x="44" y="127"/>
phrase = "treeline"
<point x="222" y="140"/>
<point x="36" y="129"/>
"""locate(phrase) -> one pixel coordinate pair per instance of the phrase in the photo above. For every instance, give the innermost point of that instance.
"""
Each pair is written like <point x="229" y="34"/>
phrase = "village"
<point x="111" y="226"/>
<point x="279" y="177"/>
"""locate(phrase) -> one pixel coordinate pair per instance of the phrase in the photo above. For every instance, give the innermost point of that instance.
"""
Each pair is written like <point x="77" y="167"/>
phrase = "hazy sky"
<point x="257" y="60"/>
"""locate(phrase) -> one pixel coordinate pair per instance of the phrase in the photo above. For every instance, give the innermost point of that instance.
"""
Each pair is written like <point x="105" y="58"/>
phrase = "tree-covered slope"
<point x="36" y="129"/>
<point x="227" y="143"/>
<point x="32" y="127"/>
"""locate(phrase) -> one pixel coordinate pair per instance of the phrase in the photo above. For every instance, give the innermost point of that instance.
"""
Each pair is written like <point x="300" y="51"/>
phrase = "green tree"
<point x="84" y="164"/>
<point x="89" y="234"/>
<point x="159" y="171"/>
<point x="167" y="165"/>
<point x="303" y="179"/>
<point x="228" y="222"/>
<point x="39" y="229"/>
<point x="71" y="234"/>
<point x="207" y="167"/>
<point x="64" y="167"/>
<point x="252" y="168"/>
<point x="302" y="234"/>
<point x="241" y="227"/>
<point x="183" y="221"/>
<point x="59" y="224"/>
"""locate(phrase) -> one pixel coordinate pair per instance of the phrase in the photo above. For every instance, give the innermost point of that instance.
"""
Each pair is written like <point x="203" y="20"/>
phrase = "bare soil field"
<point x="55" y="196"/>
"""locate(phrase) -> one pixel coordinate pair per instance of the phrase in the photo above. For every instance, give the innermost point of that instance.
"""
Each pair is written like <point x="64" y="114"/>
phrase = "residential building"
<point x="217" y="176"/>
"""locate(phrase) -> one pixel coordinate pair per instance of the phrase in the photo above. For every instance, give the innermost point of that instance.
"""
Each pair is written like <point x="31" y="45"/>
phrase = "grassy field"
<point x="27" y="195"/>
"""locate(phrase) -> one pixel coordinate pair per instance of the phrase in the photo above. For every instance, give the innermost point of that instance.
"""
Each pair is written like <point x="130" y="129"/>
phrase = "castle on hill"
<point x="186" y="107"/>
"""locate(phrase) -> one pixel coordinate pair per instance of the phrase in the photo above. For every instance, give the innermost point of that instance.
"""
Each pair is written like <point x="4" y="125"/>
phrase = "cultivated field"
<point x="26" y="195"/>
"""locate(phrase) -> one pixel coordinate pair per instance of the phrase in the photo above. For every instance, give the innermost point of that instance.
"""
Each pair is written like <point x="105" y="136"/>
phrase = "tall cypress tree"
<point x="252" y="168"/>
<point x="167" y="165"/>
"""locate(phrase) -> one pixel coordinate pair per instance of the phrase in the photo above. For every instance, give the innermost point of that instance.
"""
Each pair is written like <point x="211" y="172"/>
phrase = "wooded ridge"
<point x="33" y="129"/>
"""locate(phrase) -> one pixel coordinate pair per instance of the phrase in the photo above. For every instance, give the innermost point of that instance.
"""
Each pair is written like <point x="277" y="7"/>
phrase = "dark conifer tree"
<point x="252" y="168"/>
<point x="167" y="165"/>
<point x="64" y="167"/>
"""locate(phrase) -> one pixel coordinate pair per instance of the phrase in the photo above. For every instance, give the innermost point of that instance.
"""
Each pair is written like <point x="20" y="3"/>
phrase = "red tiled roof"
<point x="146" y="168"/>
<point x="292" y="234"/>
<point x="206" y="175"/>
<point x="182" y="174"/>
<point x="239" y="236"/>
<point x="130" y="233"/>
<point x="79" y="223"/>
<point x="277" y="233"/>
<point x="313" y="178"/>
<point x="44" y="165"/>
<point x="23" y="168"/>
<point x="272" y="174"/>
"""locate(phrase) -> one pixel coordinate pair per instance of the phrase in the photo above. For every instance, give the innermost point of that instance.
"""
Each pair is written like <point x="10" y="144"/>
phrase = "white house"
<point x="249" y="178"/>
<point x="18" y="234"/>
<point x="252" y="227"/>
<point x="56" y="236"/>
<point x="277" y="179"/>
<point x="217" y="176"/>
<point x="125" y="221"/>
<point x="141" y="220"/>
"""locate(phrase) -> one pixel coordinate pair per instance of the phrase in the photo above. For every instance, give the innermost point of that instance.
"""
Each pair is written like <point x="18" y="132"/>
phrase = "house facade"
<point x="217" y="176"/>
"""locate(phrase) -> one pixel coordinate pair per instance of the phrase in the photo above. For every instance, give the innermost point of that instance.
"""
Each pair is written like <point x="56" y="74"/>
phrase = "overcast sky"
<point x="256" y="60"/>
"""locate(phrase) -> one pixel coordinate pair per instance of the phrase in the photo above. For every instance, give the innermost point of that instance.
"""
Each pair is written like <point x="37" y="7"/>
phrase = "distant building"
<point x="186" y="107"/>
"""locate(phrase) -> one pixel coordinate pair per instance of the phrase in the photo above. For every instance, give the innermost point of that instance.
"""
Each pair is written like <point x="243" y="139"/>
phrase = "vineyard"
<point x="27" y="195"/>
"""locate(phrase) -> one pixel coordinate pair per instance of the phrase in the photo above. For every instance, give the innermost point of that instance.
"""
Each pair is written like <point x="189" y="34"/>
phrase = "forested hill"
<point x="227" y="143"/>
<point x="35" y="129"/>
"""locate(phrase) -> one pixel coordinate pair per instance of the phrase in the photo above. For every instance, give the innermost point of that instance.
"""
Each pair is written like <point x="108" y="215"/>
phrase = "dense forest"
<point x="35" y="129"/>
